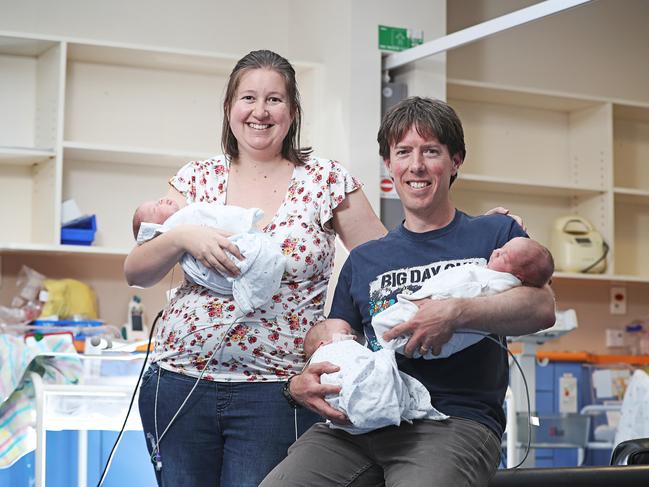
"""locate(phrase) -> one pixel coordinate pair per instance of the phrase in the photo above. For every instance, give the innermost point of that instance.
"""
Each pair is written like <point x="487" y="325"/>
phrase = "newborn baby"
<point x="262" y="268"/>
<point x="521" y="261"/>
<point x="374" y="393"/>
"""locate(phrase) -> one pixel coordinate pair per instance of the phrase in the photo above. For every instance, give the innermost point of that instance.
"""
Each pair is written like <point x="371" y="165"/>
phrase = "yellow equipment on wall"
<point x="577" y="247"/>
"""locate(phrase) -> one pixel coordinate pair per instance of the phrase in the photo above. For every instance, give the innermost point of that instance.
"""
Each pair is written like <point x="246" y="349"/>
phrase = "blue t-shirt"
<point x="471" y="383"/>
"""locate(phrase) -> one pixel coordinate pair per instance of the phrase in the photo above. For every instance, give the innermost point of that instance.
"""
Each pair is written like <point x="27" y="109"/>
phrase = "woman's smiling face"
<point x="260" y="115"/>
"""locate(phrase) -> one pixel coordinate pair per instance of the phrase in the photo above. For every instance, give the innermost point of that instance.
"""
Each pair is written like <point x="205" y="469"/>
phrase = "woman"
<point x="236" y="425"/>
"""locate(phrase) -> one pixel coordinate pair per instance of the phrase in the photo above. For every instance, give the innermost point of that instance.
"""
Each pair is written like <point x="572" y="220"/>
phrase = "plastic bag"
<point x="69" y="299"/>
<point x="26" y="305"/>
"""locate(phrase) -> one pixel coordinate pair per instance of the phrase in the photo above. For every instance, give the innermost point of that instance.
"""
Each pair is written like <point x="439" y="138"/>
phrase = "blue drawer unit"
<point x="548" y="396"/>
<point x="131" y="465"/>
<point x="544" y="457"/>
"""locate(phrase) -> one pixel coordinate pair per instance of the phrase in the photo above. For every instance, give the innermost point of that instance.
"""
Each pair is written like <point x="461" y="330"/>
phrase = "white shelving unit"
<point x="107" y="125"/>
<point x="551" y="154"/>
<point x="71" y="250"/>
<point x="29" y="131"/>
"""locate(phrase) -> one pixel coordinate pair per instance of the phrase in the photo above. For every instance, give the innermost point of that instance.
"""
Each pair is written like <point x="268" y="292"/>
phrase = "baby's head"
<point x="323" y="333"/>
<point x="525" y="258"/>
<point x="154" y="211"/>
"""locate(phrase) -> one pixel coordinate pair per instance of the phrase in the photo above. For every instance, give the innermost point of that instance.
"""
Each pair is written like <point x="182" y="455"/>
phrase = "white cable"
<point x="119" y="435"/>
<point x="156" y="448"/>
<point x="155" y="421"/>
<point x="110" y="461"/>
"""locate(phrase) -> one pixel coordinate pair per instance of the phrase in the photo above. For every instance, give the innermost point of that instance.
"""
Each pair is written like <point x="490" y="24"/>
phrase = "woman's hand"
<point x="505" y="211"/>
<point x="210" y="247"/>
<point x="306" y="389"/>
<point x="432" y="326"/>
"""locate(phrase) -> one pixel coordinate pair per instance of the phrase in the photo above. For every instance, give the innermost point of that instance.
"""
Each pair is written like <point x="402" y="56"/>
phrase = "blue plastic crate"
<point x="80" y="231"/>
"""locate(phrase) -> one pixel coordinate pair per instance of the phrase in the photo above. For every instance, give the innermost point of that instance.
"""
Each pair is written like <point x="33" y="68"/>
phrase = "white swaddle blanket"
<point x="262" y="268"/>
<point x="634" y="416"/>
<point x="374" y="393"/>
<point x="466" y="281"/>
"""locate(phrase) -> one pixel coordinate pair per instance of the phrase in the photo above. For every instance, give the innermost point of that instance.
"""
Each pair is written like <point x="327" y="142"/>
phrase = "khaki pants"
<point x="452" y="453"/>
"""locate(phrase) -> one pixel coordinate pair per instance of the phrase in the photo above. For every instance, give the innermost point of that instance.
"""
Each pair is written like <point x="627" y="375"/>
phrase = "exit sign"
<point x="398" y="38"/>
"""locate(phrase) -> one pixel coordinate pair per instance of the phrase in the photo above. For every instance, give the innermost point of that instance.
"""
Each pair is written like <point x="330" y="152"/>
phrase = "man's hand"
<point x="307" y="390"/>
<point x="505" y="211"/>
<point x="431" y="327"/>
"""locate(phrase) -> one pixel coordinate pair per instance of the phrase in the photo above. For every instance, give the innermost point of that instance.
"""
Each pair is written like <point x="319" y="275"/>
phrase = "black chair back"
<point x="631" y="452"/>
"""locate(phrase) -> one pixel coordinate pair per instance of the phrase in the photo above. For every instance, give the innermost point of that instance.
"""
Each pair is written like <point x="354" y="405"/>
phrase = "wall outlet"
<point x="614" y="337"/>
<point x="618" y="301"/>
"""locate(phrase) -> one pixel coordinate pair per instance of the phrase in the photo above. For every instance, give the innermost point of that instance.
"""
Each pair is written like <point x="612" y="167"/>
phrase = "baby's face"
<point x="158" y="211"/>
<point x="503" y="259"/>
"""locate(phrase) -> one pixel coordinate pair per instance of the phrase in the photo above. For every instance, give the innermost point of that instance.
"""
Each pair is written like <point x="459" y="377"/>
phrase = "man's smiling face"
<point x="421" y="168"/>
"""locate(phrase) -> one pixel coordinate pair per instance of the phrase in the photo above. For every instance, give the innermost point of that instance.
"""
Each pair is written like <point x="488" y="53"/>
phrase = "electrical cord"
<point x="603" y="256"/>
<point x="130" y="406"/>
<point x="527" y="392"/>
<point x="137" y="386"/>
<point x="155" y="452"/>
<point x="155" y="447"/>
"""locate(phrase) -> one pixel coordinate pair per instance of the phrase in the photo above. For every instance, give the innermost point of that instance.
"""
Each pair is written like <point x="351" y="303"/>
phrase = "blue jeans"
<point x="227" y="434"/>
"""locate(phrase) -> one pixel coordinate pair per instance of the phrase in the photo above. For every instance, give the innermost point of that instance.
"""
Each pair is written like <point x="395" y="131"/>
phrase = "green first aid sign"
<point x="397" y="38"/>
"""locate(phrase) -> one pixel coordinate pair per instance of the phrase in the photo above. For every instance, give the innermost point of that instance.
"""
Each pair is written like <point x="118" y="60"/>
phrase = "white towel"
<point x="260" y="272"/>
<point x="17" y="405"/>
<point x="232" y="219"/>
<point x="374" y="392"/>
<point x="466" y="281"/>
<point x="634" y="416"/>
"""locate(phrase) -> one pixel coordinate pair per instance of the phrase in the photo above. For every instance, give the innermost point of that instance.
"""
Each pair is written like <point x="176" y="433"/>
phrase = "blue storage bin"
<point x="68" y="324"/>
<point x="80" y="231"/>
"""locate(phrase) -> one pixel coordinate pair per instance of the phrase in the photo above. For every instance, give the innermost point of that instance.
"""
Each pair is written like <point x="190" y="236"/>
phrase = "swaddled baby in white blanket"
<point x="261" y="269"/>
<point x="374" y="393"/>
<point x="521" y="261"/>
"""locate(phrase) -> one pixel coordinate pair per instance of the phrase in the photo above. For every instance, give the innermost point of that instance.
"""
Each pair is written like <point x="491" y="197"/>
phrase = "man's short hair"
<point x="430" y="117"/>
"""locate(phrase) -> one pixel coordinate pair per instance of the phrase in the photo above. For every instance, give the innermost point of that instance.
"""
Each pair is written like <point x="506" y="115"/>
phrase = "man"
<point x="422" y="144"/>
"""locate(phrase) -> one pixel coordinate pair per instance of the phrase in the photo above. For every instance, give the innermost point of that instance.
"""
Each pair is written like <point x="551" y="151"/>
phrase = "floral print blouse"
<point x="200" y="328"/>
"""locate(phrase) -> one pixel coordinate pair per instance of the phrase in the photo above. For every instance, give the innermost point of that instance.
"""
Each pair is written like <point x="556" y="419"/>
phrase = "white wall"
<point x="221" y="26"/>
<point x="343" y="35"/>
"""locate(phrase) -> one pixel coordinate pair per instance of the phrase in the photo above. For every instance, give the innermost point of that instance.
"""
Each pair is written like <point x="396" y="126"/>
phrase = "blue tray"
<point x="63" y="323"/>
<point x="80" y="231"/>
